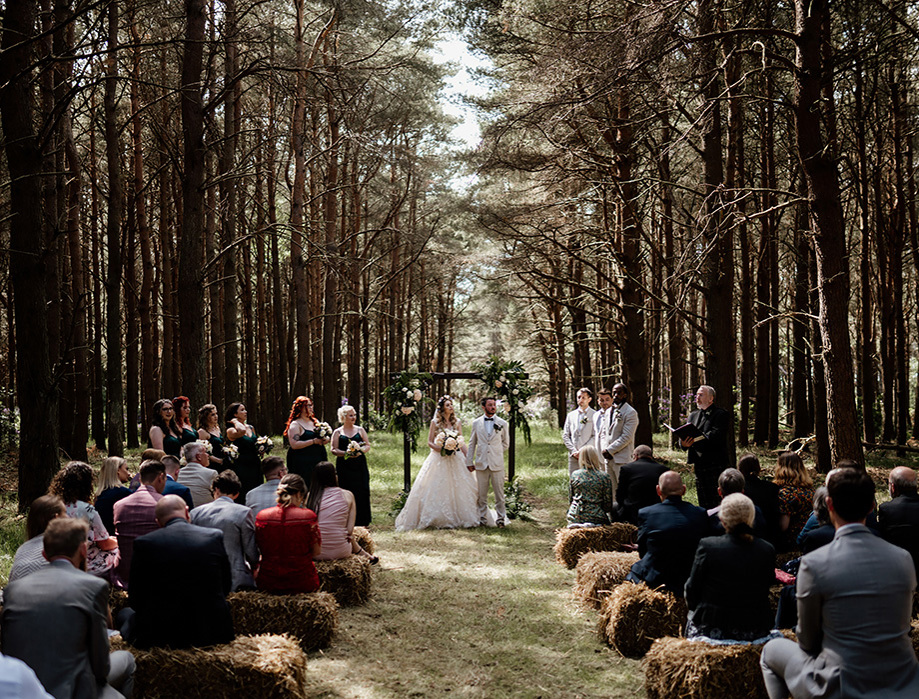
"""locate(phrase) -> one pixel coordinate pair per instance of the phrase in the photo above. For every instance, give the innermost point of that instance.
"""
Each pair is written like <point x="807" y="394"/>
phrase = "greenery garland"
<point x="404" y="397"/>
<point x="507" y="379"/>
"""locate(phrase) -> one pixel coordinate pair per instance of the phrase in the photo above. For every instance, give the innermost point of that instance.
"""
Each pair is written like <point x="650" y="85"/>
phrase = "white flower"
<point x="439" y="439"/>
<point x="459" y="440"/>
<point x="516" y="391"/>
<point x="417" y="394"/>
<point x="507" y="407"/>
<point x="407" y="409"/>
<point x="450" y="444"/>
<point x="408" y="391"/>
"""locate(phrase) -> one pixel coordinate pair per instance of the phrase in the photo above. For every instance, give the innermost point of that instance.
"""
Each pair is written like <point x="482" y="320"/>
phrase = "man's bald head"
<point x="642" y="451"/>
<point x="902" y="481"/>
<point x="169" y="508"/>
<point x="669" y="484"/>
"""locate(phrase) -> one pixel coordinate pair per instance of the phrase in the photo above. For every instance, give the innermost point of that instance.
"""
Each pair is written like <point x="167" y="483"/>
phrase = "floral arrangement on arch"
<point x="510" y="382"/>
<point x="404" y="397"/>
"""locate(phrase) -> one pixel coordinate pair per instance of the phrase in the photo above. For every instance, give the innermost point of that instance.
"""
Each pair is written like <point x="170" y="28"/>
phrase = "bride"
<point x="444" y="493"/>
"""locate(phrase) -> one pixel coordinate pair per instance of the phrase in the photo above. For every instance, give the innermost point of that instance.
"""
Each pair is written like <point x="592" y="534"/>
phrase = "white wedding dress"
<point x="443" y="496"/>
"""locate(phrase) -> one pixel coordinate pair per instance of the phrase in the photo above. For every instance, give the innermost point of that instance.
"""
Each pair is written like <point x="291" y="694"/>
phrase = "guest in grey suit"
<point x="55" y="621"/>
<point x="854" y="603"/>
<point x="237" y="522"/>
<point x="266" y="495"/>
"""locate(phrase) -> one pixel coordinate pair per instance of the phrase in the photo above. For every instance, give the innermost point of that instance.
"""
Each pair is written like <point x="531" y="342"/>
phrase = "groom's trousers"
<point x="496" y="478"/>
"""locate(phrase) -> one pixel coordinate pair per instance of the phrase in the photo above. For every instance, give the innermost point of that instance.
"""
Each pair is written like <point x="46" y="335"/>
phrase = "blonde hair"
<point x="290" y="485"/>
<point x="344" y="410"/>
<point x="108" y="474"/>
<point x="589" y="458"/>
<point x="789" y="470"/>
<point x="737" y="509"/>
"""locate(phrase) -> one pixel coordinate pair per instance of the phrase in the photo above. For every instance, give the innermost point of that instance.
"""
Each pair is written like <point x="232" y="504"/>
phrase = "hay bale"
<point x="571" y="544"/>
<point x="117" y="600"/>
<point x="346" y="578"/>
<point x="254" y="666"/>
<point x="309" y="618"/>
<point x="634" y="616"/>
<point x="676" y="667"/>
<point x="599" y="572"/>
<point x="914" y="635"/>
<point x="364" y="539"/>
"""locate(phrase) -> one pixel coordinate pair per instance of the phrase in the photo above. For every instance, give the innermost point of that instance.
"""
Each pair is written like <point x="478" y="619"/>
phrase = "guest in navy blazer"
<point x="668" y="534"/>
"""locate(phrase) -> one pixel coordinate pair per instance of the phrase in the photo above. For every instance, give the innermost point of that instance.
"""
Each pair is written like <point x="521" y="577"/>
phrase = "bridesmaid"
<point x="165" y="433"/>
<point x="307" y="448"/>
<point x="247" y="465"/>
<point x="183" y="419"/>
<point x="353" y="473"/>
<point x="209" y="431"/>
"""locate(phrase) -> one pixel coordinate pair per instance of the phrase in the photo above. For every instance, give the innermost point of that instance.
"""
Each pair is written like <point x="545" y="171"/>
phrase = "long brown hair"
<point x="300" y="403"/>
<point x="439" y="414"/>
<point x="789" y="470"/>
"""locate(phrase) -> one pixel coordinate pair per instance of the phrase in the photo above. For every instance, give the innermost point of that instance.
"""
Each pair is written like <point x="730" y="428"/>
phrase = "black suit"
<point x="898" y="522"/>
<point x="710" y="455"/>
<point x="759" y="522"/>
<point x="668" y="534"/>
<point x="728" y="588"/>
<point x="180" y="577"/>
<point x="765" y="495"/>
<point x="638" y="487"/>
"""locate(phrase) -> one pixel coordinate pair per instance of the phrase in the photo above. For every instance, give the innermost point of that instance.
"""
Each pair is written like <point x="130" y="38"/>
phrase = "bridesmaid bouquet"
<point x="323" y="429"/>
<point x="264" y="446"/>
<point x="206" y="443"/>
<point x="449" y="441"/>
<point x="354" y="450"/>
<point x="232" y="452"/>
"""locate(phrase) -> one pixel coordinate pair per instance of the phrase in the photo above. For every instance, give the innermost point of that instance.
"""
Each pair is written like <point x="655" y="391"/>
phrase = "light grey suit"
<point x="237" y="522"/>
<point x="577" y="433"/>
<point x="55" y="621"/>
<point x="854" y="603"/>
<point x="486" y="453"/>
<point x="617" y="442"/>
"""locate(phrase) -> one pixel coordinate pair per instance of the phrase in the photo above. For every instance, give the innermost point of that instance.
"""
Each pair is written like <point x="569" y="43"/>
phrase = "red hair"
<point x="300" y="403"/>
<point x="178" y="403"/>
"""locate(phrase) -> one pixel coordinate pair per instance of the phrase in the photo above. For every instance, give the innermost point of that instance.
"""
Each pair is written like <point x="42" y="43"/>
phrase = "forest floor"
<point x="464" y="613"/>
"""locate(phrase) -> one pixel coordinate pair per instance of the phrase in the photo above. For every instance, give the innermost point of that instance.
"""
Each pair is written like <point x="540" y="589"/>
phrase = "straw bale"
<point x="914" y="635"/>
<point x="117" y="600"/>
<point x="634" y="616"/>
<point x="251" y="666"/>
<point x="346" y="578"/>
<point x="775" y="592"/>
<point x="364" y="539"/>
<point x="571" y="544"/>
<point x="309" y="618"/>
<point x="676" y="667"/>
<point x="599" y="572"/>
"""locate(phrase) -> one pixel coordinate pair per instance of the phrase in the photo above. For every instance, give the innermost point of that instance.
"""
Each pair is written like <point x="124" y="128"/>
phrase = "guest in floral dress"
<point x="796" y="496"/>
<point x="590" y="490"/>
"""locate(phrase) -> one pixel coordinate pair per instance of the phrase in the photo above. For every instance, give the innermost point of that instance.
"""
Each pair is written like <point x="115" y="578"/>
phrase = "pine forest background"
<point x="237" y="200"/>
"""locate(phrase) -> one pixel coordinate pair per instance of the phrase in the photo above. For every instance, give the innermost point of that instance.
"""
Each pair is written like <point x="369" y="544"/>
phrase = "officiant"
<point x="708" y="454"/>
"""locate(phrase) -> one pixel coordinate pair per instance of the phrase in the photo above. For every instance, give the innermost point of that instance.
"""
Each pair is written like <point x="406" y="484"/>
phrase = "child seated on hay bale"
<point x="599" y="572"/>
<point x="571" y="544"/>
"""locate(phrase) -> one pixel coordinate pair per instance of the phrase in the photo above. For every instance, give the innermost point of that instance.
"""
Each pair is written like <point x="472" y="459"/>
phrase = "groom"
<point x="487" y="444"/>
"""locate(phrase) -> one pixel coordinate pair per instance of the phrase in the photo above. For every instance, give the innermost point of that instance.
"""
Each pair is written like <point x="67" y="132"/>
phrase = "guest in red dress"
<point x="288" y="538"/>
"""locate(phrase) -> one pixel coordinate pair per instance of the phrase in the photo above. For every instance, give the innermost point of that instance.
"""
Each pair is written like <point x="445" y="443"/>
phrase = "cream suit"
<point x="577" y="433"/>
<point x="618" y="441"/>
<point x="486" y="453"/>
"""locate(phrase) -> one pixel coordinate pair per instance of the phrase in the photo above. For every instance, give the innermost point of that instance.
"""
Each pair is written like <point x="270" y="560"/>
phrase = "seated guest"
<point x="180" y="577"/>
<point x="590" y="490"/>
<point x="871" y="521"/>
<point x="74" y="485"/>
<point x="237" y="524"/>
<point x="729" y="482"/>
<point x="854" y="602"/>
<point x="173" y="487"/>
<point x="55" y="620"/>
<point x="822" y="534"/>
<point x="195" y="474"/>
<point x="136" y="514"/>
<point x="336" y="511"/>
<point x="288" y="539"/>
<point x="727" y="592"/>
<point x="111" y="488"/>
<point x="266" y="495"/>
<point x="147" y="455"/>
<point x="796" y="497"/>
<point x="898" y="520"/>
<point x="668" y="534"/>
<point x="29" y="556"/>
<point x="764" y="494"/>
<point x="638" y="484"/>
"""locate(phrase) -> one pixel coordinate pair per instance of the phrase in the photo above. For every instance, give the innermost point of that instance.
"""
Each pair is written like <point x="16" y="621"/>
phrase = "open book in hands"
<point x="686" y="431"/>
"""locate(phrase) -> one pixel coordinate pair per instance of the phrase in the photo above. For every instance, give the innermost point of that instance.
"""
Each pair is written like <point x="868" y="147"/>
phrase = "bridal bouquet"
<point x="354" y="450"/>
<point x="206" y="443"/>
<point x="324" y="430"/>
<point x="232" y="452"/>
<point x="264" y="446"/>
<point x="449" y="441"/>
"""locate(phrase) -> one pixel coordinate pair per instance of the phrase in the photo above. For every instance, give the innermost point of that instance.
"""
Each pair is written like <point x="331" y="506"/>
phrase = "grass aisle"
<point x="472" y="613"/>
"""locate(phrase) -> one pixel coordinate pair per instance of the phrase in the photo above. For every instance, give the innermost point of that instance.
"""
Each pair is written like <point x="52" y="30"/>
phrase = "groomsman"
<point x="603" y="415"/>
<point x="618" y="441"/>
<point x="579" y="428"/>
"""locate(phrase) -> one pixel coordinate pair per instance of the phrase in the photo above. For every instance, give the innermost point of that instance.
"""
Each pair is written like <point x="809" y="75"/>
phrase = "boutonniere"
<point x="617" y="415"/>
<point x="498" y="427"/>
<point x="584" y="420"/>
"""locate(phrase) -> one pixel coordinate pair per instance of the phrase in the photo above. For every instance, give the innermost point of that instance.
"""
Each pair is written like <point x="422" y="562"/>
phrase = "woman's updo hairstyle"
<point x="290" y="485"/>
<point x="736" y="510"/>
<point x="439" y="415"/>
